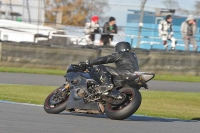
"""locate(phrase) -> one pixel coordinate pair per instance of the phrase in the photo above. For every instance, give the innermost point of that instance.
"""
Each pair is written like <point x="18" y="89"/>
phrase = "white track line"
<point x="2" y="101"/>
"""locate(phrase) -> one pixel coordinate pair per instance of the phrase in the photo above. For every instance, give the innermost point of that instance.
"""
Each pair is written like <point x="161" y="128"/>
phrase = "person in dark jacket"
<point x="108" y="28"/>
<point x="126" y="64"/>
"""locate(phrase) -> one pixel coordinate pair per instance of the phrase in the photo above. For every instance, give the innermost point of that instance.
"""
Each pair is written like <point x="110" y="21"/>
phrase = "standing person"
<point x="188" y="30"/>
<point x="108" y="28"/>
<point x="91" y="28"/>
<point x="165" y="30"/>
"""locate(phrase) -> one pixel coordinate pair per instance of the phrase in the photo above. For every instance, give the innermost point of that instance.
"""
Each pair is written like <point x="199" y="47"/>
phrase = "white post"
<point x="23" y="10"/>
<point x="0" y="51"/>
<point x="59" y="18"/>
<point x="28" y="9"/>
<point x="7" y="11"/>
<point x="141" y="22"/>
<point x="39" y="12"/>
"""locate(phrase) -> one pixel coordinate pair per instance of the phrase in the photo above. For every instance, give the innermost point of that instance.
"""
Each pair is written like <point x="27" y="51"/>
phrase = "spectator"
<point x="108" y="28"/>
<point x="91" y="28"/>
<point x="165" y="30"/>
<point x="188" y="30"/>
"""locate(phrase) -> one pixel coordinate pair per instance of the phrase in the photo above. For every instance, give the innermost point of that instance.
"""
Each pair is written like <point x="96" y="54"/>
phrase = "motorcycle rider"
<point x="126" y="64"/>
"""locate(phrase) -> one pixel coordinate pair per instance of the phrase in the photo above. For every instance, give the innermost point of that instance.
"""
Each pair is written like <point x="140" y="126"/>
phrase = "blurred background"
<point x="61" y="22"/>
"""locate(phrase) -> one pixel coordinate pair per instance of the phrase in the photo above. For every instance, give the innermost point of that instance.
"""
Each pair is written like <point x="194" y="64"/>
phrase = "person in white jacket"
<point x="165" y="30"/>
<point x="91" y="28"/>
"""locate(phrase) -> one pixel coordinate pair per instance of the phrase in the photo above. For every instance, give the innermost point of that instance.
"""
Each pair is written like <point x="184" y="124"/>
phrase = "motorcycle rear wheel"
<point x="125" y="109"/>
<point x="53" y="105"/>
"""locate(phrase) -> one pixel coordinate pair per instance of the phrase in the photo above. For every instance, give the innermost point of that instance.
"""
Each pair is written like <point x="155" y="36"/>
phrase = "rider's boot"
<point x="106" y="83"/>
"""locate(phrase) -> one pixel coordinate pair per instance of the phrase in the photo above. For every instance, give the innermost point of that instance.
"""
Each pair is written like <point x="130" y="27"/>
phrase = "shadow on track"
<point x="197" y="119"/>
<point x="133" y="118"/>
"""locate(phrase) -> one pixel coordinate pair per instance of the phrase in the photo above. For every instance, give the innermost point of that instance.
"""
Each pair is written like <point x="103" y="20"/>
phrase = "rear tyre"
<point x="56" y="101"/>
<point x="127" y="107"/>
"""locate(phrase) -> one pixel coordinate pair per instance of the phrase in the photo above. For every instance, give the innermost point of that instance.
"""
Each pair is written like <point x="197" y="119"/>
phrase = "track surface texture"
<point x="22" y="118"/>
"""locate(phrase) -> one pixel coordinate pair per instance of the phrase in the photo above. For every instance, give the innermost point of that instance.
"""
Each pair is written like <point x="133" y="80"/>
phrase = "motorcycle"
<point x="118" y="103"/>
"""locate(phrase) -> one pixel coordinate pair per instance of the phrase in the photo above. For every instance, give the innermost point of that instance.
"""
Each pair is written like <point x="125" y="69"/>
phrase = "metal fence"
<point x="42" y="19"/>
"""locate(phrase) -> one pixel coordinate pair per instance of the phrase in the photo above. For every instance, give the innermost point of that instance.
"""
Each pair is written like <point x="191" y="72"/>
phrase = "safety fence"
<point x="42" y="20"/>
<point x="152" y="42"/>
<point x="70" y="36"/>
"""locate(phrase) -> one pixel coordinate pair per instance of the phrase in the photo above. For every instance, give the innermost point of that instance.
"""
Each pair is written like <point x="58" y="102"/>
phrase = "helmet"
<point x="123" y="46"/>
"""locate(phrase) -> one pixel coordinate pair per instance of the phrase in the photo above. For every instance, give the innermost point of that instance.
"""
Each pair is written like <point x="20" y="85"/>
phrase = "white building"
<point x="24" y="32"/>
<point x="31" y="11"/>
<point x="22" y="21"/>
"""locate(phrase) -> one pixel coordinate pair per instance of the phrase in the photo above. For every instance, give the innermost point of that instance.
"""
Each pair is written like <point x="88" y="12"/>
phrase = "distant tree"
<point x="171" y="4"/>
<point x="184" y="11"/>
<point x="197" y="8"/>
<point x="74" y="12"/>
<point x="195" y="11"/>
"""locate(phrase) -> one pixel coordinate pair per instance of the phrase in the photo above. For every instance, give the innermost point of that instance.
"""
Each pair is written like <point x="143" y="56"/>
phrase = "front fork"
<point x="65" y="88"/>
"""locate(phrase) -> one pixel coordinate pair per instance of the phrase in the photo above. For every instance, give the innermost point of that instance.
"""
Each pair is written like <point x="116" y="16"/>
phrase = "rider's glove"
<point x="82" y="65"/>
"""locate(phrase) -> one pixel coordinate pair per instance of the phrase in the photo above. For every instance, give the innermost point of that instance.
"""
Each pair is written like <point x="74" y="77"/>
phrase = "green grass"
<point x="62" y="72"/>
<point x="154" y="103"/>
<point x="183" y="105"/>
<point x="32" y="70"/>
<point x="178" y="78"/>
<point x="25" y="93"/>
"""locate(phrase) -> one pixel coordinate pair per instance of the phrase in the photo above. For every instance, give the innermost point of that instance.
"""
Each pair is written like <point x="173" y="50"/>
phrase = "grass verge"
<point x="62" y="72"/>
<point x="32" y="70"/>
<point x="160" y="104"/>
<point x="183" y="105"/>
<point x="177" y="78"/>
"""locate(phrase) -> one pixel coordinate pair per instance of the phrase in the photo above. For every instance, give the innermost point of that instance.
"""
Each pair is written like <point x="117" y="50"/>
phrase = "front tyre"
<point x="56" y="101"/>
<point x="127" y="107"/>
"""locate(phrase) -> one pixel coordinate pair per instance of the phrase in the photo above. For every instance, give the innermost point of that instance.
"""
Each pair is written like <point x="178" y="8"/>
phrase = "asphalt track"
<point x="25" y="118"/>
<point x="56" y="80"/>
<point x="19" y="118"/>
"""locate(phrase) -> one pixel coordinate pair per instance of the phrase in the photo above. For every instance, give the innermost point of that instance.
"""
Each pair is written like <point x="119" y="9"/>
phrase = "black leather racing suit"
<point x="126" y="62"/>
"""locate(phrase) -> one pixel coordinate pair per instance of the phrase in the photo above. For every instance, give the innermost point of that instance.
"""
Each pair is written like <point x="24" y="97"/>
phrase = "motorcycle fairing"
<point x="76" y="102"/>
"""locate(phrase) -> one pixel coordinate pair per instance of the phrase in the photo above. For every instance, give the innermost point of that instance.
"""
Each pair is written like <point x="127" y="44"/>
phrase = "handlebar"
<point x="83" y="66"/>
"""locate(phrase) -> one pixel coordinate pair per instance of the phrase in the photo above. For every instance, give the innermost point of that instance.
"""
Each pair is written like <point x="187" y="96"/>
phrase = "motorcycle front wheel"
<point x="56" y="101"/>
<point x="128" y="105"/>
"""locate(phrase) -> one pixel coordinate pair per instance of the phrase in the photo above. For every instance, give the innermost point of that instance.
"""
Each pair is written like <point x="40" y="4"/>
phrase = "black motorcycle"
<point x="117" y="103"/>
